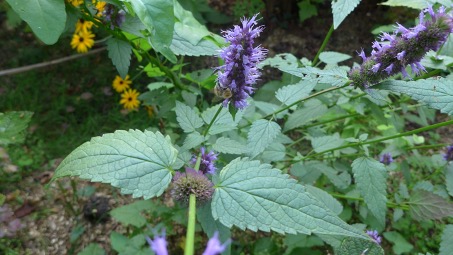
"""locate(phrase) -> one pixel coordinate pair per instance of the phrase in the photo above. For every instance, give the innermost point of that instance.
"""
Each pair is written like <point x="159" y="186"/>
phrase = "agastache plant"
<point x="240" y="71"/>
<point x="207" y="161"/>
<point x="404" y="47"/>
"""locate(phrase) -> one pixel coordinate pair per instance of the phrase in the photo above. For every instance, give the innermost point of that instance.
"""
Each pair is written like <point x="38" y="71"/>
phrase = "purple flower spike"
<point x="386" y="158"/>
<point x="449" y="155"/>
<point x="375" y="236"/>
<point x="406" y="46"/>
<point x="240" y="71"/>
<point x="158" y="245"/>
<point x="207" y="161"/>
<point x="214" y="246"/>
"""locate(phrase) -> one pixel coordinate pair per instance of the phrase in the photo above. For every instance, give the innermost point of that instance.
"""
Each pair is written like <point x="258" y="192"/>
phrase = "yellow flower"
<point x="83" y="25"/>
<point x="99" y="6"/>
<point x="121" y="85"/>
<point x="82" y="41"/>
<point x="76" y="3"/>
<point x="129" y="99"/>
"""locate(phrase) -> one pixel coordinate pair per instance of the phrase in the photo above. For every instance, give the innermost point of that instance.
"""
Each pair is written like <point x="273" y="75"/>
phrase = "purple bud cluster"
<point x="374" y="235"/>
<point x="113" y="15"/>
<point x="449" y="155"/>
<point x="240" y="70"/>
<point x="207" y="161"/>
<point x="9" y="225"/>
<point x="214" y="246"/>
<point x="393" y="52"/>
<point x="386" y="158"/>
<point x="191" y="182"/>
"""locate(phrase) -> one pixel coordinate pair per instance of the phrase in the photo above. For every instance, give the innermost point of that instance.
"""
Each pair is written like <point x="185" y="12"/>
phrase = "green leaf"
<point x="449" y="178"/>
<point x="227" y="145"/>
<point x="327" y="142"/>
<point x="341" y="9"/>
<point x="158" y="18"/>
<point x="359" y="246"/>
<point x="326" y="198"/>
<point x="416" y="4"/>
<point x="293" y="93"/>
<point x="223" y="122"/>
<point x="261" y="134"/>
<point x="306" y="173"/>
<point x="187" y="118"/>
<point x="436" y="93"/>
<point x="335" y="76"/>
<point x="157" y="85"/>
<point x="282" y="62"/>
<point x="425" y="205"/>
<point x="331" y="57"/>
<point x="400" y="244"/>
<point x="47" y="18"/>
<point x="205" y="47"/>
<point x="273" y="152"/>
<point x="370" y="177"/>
<point x="306" y="10"/>
<point x="140" y="163"/>
<point x="210" y="226"/>
<point x="132" y="214"/>
<point x="446" y="245"/>
<point x="255" y="196"/>
<point x="193" y="140"/>
<point x="118" y="241"/>
<point x="92" y="249"/>
<point x="120" y="54"/>
<point x="311" y="110"/>
<point x="12" y="126"/>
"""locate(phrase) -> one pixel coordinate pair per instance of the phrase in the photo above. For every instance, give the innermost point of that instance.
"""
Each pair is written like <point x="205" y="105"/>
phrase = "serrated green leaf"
<point x="210" y="226"/>
<point x="187" y="118"/>
<point x="400" y="244"/>
<point x="274" y="152"/>
<point x="436" y="93"/>
<point x="255" y="196"/>
<point x="331" y="57"/>
<point x="326" y="198"/>
<point x="311" y="110"/>
<point x="335" y="76"/>
<point x="307" y="172"/>
<point x="327" y="142"/>
<point x="370" y="177"/>
<point x="205" y="47"/>
<point x="193" y="140"/>
<point x="120" y="54"/>
<point x="223" y="122"/>
<point x="359" y="246"/>
<point x="158" y="18"/>
<point x="293" y="93"/>
<point x="416" y="4"/>
<point x="449" y="178"/>
<point x="425" y="205"/>
<point x="13" y="125"/>
<point x="47" y="18"/>
<point x="341" y="9"/>
<point x="140" y="163"/>
<point x="132" y="214"/>
<point x="282" y="61"/>
<point x="446" y="245"/>
<point x="92" y="249"/>
<point x="157" y="85"/>
<point x="227" y="145"/>
<point x="262" y="133"/>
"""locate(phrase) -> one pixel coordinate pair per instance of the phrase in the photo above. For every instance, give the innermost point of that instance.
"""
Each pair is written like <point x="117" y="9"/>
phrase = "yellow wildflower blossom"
<point x="121" y="85"/>
<point x="83" y="25"/>
<point x="75" y="3"/>
<point x="82" y="41"/>
<point x="99" y="6"/>
<point x="129" y="99"/>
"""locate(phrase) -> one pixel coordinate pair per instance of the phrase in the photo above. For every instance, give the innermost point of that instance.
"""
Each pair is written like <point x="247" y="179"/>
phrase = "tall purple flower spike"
<point x="159" y="244"/>
<point x="207" y="161"/>
<point x="449" y="155"/>
<point x="240" y="71"/>
<point x="406" y="46"/>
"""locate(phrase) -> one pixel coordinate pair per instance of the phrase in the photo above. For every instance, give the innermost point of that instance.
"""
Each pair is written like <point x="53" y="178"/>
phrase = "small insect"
<point x="223" y="92"/>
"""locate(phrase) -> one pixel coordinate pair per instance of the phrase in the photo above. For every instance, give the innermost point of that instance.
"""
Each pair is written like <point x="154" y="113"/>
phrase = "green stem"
<point x="205" y="133"/>
<point x="323" y="45"/>
<point x="415" y="131"/>
<point x="389" y="204"/>
<point x="190" y="235"/>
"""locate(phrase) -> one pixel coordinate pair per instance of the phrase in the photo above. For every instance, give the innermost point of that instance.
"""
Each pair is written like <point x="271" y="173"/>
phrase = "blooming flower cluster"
<point x="129" y="97"/>
<point x="191" y="182"/>
<point x="113" y="15"/>
<point x="386" y="158"/>
<point x="374" y="235"/>
<point x="240" y="70"/>
<point x="207" y="161"/>
<point x="214" y="246"/>
<point x="449" y="155"/>
<point x="404" y="47"/>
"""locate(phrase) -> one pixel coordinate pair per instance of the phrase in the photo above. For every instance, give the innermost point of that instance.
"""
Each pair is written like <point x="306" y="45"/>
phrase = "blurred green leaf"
<point x="132" y="214"/>
<point x="92" y="249"/>
<point x="446" y="245"/>
<point x="341" y="9"/>
<point x="261" y="134"/>
<point x="358" y="247"/>
<point x="425" y="205"/>
<point x="331" y="57"/>
<point x="12" y="126"/>
<point x="120" y="53"/>
<point x="400" y="245"/>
